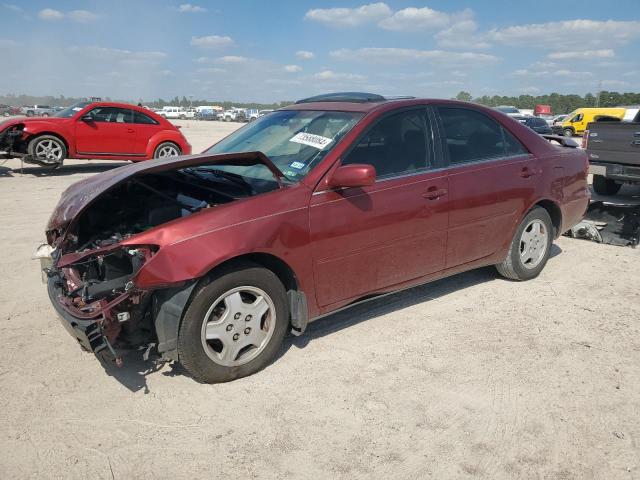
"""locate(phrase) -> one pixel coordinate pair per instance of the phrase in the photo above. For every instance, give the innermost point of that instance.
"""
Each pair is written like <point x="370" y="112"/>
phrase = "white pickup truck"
<point x="38" y="111"/>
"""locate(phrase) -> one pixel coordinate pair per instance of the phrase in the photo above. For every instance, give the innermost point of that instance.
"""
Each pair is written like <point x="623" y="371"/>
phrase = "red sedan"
<point x="213" y="258"/>
<point x="86" y="130"/>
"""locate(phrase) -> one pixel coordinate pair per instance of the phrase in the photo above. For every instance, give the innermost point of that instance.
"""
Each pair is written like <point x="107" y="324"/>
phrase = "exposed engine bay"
<point x="93" y="274"/>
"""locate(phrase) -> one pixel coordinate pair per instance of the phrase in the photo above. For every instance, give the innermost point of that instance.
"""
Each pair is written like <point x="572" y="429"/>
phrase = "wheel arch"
<point x="296" y="298"/>
<point x="53" y="134"/>
<point x="162" y="137"/>
<point x="279" y="267"/>
<point x="554" y="211"/>
<point x="171" y="304"/>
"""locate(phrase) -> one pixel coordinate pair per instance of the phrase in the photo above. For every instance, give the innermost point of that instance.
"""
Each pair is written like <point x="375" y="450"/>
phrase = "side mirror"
<point x="355" y="175"/>
<point x="87" y="118"/>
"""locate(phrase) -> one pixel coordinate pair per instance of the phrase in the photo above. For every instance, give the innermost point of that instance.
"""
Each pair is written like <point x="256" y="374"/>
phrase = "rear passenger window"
<point x="512" y="145"/>
<point x="139" y="117"/>
<point x="396" y="145"/>
<point x="470" y="135"/>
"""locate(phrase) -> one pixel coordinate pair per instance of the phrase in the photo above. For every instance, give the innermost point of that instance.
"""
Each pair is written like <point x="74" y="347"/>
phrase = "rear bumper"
<point x="616" y="171"/>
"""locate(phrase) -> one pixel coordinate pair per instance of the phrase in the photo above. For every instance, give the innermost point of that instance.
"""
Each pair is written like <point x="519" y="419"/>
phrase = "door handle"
<point x="526" y="172"/>
<point x="130" y="130"/>
<point x="433" y="193"/>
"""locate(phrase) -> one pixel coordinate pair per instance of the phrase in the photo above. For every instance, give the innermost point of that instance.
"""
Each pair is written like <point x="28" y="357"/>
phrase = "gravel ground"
<point x="468" y="377"/>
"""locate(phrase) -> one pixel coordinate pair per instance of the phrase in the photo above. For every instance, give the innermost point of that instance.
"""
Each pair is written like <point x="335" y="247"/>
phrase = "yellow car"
<point x="577" y="121"/>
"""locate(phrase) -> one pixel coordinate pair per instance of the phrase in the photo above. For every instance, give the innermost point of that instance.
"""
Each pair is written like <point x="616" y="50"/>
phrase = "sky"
<point x="270" y="50"/>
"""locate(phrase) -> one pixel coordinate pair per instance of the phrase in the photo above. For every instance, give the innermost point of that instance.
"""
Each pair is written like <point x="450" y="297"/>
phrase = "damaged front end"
<point x="12" y="141"/>
<point x="98" y="302"/>
<point x="93" y="260"/>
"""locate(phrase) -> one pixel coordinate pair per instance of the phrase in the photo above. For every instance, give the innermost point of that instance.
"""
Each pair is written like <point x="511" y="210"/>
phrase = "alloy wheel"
<point x="167" y="151"/>
<point x="238" y="326"/>
<point x="49" y="150"/>
<point x="533" y="244"/>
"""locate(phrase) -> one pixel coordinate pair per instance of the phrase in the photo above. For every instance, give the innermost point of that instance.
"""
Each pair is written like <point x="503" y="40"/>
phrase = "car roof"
<point x="338" y="102"/>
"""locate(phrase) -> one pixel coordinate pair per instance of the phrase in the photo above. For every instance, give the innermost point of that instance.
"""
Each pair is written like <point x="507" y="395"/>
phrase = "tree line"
<point x="62" y="101"/>
<point x="559" y="103"/>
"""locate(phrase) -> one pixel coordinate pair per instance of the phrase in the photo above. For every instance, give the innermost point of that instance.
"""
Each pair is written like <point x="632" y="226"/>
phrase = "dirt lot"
<point x="469" y="377"/>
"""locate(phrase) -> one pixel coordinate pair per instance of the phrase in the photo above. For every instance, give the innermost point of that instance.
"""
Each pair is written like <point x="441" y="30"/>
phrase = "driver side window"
<point x="398" y="144"/>
<point x="111" y="115"/>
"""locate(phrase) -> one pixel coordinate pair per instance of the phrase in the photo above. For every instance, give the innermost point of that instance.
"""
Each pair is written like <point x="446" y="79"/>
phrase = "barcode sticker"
<point x="315" y="141"/>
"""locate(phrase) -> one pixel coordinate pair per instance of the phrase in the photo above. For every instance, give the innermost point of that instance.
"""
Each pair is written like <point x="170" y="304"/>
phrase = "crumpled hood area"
<point x="80" y="195"/>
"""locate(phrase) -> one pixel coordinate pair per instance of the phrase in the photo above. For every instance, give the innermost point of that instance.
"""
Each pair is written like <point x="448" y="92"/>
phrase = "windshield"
<point x="295" y="141"/>
<point x="72" y="110"/>
<point x="508" y="109"/>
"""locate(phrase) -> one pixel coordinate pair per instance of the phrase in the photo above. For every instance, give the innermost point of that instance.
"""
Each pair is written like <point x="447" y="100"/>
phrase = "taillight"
<point x="585" y="139"/>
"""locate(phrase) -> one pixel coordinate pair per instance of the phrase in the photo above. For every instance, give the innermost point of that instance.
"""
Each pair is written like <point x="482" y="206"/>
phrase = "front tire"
<point x="167" y="149"/>
<point x="234" y="325"/>
<point x="48" y="149"/>
<point x="605" y="186"/>
<point x="568" y="132"/>
<point x="530" y="247"/>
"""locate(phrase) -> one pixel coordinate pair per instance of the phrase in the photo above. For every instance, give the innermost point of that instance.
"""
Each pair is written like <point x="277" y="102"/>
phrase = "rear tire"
<point x="605" y="186"/>
<point x="530" y="247"/>
<point x="166" y="150"/>
<point x="219" y="340"/>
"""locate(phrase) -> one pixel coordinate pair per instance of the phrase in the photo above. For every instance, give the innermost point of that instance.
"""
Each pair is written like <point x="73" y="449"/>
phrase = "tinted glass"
<point x="111" y="115"/>
<point x="397" y="144"/>
<point x="139" y="117"/>
<point x="470" y="135"/>
<point x="512" y="144"/>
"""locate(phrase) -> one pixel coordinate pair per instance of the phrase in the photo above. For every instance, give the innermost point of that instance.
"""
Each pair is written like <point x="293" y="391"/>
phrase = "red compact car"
<point x="213" y="258"/>
<point x="90" y="130"/>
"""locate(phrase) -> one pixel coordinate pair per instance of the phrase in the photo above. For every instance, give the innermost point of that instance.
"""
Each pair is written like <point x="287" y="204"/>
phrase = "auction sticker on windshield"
<point x="315" y="141"/>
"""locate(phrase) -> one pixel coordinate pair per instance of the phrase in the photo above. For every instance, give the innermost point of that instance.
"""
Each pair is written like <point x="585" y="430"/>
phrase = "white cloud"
<point x="190" y="8"/>
<point x="349" y="17"/>
<point x="13" y="8"/>
<point x="331" y="75"/>
<point x="49" y="14"/>
<point x="305" y="54"/>
<point x="418" y="19"/>
<point x="292" y="68"/>
<point x="233" y="59"/>
<point x="582" y="54"/>
<point x="211" y="70"/>
<point x="405" y="55"/>
<point x="523" y="72"/>
<point x="78" y="16"/>
<point x="575" y="34"/>
<point x="615" y="83"/>
<point x="82" y="16"/>
<point x="115" y="54"/>
<point x="211" y="41"/>
<point x="531" y="89"/>
<point x="462" y="34"/>
<point x="7" y="43"/>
